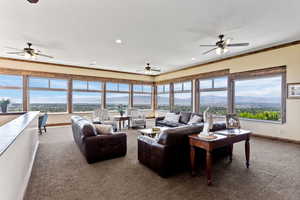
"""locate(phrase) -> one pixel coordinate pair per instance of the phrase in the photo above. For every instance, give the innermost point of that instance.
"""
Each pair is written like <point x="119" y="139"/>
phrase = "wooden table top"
<point x="221" y="135"/>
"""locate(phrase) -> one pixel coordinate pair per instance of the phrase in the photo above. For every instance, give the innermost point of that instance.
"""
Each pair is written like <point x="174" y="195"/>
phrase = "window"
<point x="142" y="96"/>
<point x="86" y="95"/>
<point x="11" y="88"/>
<point x="213" y="94"/>
<point x="163" y="97"/>
<point x="259" y="98"/>
<point x="117" y="94"/>
<point x="183" y="96"/>
<point x="47" y="94"/>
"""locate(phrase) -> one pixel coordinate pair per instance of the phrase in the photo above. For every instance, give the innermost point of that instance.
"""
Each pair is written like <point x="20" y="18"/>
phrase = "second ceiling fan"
<point x="222" y="45"/>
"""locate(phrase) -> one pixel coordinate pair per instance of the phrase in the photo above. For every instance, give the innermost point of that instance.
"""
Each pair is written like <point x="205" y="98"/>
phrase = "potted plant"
<point x="3" y="104"/>
<point x="121" y="109"/>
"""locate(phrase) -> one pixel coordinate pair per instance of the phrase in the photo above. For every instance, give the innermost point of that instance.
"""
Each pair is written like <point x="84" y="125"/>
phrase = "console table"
<point x="122" y="119"/>
<point x="223" y="138"/>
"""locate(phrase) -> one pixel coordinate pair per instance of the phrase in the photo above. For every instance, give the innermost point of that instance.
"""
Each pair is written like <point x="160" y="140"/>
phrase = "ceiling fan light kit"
<point x="33" y="1"/>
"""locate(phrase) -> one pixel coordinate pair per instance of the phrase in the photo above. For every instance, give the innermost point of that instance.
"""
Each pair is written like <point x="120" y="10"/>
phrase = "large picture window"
<point x="47" y="94"/>
<point x="183" y="96"/>
<point x="142" y="95"/>
<point x="259" y="98"/>
<point x="117" y="94"/>
<point x="163" y="97"/>
<point x="11" y="88"/>
<point x="213" y="94"/>
<point x="86" y="95"/>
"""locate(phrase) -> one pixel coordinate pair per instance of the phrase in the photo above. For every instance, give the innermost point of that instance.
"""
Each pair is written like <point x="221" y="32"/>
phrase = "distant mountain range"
<point x="204" y="100"/>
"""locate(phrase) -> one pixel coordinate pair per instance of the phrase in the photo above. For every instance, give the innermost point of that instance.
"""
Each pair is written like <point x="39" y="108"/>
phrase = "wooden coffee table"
<point x="223" y="138"/>
<point x="122" y="119"/>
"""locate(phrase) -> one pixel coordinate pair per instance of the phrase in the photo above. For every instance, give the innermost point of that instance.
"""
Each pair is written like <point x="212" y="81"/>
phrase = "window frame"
<point x="142" y="92"/>
<point x="88" y="90"/>
<point x="215" y="89"/>
<point x="183" y="90"/>
<point x="21" y="88"/>
<point x="164" y="91"/>
<point x="260" y="76"/>
<point x="29" y="88"/>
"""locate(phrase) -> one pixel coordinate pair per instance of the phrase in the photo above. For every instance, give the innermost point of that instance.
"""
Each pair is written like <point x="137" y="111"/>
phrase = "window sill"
<point x="262" y="121"/>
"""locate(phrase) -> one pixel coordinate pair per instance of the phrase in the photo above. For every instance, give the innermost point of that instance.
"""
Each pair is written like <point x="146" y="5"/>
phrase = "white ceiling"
<point x="165" y="32"/>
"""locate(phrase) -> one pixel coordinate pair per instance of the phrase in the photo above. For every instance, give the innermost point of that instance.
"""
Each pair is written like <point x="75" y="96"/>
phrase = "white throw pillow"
<point x="172" y="117"/>
<point x="195" y="119"/>
<point x="104" y="129"/>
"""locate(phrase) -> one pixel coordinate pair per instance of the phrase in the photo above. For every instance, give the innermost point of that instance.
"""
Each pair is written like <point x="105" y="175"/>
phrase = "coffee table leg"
<point x="192" y="156"/>
<point x="120" y="125"/>
<point x="208" y="167"/>
<point x="247" y="152"/>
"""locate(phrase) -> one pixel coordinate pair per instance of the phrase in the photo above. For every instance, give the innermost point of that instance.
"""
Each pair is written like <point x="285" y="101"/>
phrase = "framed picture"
<point x="293" y="90"/>
<point x="232" y="121"/>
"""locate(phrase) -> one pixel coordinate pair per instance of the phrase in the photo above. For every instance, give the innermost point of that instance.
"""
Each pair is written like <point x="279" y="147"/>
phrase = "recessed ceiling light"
<point x="118" y="41"/>
<point x="193" y="58"/>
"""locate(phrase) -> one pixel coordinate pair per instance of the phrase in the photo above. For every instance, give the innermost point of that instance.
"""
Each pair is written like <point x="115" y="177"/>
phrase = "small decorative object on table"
<point x="121" y="110"/>
<point x="208" y="125"/>
<point x="156" y="129"/>
<point x="232" y="121"/>
<point x="293" y="90"/>
<point x="3" y="104"/>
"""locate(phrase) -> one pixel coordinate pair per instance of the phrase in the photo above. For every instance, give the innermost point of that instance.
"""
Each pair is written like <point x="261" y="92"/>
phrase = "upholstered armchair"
<point x="102" y="116"/>
<point x="138" y="119"/>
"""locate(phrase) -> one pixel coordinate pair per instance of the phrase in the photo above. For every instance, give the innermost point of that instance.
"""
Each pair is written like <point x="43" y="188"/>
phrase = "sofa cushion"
<point x="184" y="117"/>
<point x="104" y="129"/>
<point x="172" y="117"/>
<point x="89" y="130"/>
<point x="197" y="114"/>
<point x="195" y="119"/>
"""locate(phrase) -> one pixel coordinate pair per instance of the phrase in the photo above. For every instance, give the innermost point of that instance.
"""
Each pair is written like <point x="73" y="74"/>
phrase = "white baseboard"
<point x="28" y="174"/>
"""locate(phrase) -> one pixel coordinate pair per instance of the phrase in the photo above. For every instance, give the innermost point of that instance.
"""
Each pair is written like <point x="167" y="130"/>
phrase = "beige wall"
<point x="289" y="56"/>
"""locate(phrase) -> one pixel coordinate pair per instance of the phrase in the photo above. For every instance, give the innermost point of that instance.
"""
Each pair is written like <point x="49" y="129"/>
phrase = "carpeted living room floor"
<point x="60" y="172"/>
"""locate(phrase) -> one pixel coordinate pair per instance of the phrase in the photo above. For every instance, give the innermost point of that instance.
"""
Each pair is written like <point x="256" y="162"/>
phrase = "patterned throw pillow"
<point x="172" y="117"/>
<point x="195" y="119"/>
<point x="103" y="129"/>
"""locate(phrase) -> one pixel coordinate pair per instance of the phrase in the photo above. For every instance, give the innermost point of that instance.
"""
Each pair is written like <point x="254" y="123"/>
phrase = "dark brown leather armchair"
<point x="169" y="153"/>
<point x="96" y="147"/>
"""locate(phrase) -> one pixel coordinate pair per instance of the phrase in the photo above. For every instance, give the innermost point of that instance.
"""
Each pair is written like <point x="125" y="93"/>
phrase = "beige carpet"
<point x="61" y="173"/>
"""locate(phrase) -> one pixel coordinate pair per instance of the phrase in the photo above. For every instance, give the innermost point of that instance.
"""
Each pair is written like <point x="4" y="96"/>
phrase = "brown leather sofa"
<point x="94" y="146"/>
<point x="169" y="153"/>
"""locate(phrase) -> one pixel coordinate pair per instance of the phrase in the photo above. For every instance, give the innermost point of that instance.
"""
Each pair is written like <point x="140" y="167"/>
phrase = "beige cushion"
<point x="104" y="129"/>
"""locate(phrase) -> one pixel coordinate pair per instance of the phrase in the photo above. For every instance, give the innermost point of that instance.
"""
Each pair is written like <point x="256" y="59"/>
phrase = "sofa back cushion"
<point x="176" y="136"/>
<point x="172" y="117"/>
<point x="185" y="117"/>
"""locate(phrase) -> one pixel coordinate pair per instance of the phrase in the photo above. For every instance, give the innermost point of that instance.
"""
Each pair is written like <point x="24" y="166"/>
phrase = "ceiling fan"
<point x="28" y="52"/>
<point x="222" y="45"/>
<point x="33" y="1"/>
<point x="149" y="70"/>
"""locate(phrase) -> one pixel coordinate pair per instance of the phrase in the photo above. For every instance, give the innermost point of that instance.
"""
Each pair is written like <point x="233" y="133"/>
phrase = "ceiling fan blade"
<point x="44" y="55"/>
<point x="13" y="48"/>
<point x="18" y="52"/>
<point x="207" y="45"/>
<point x="155" y="70"/>
<point x="206" y="52"/>
<point x="238" y="45"/>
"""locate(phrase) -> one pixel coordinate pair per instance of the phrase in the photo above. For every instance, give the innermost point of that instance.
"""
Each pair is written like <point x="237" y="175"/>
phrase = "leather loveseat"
<point x="95" y="146"/>
<point x="169" y="153"/>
